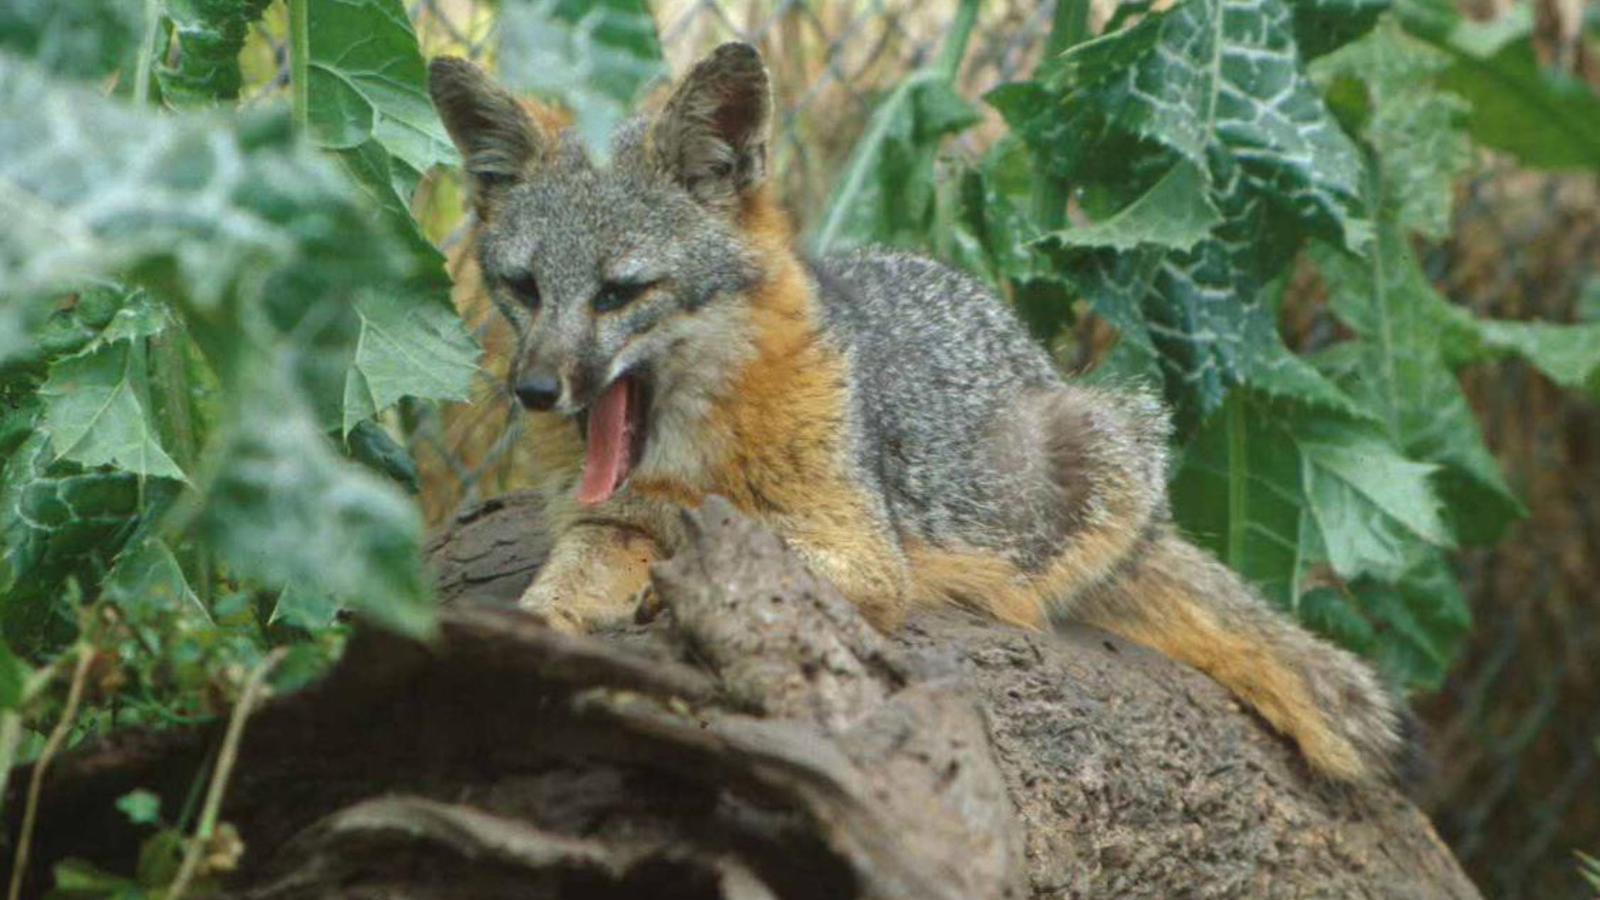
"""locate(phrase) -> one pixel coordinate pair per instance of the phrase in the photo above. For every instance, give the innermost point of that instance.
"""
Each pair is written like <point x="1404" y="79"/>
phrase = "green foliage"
<point x="1208" y="161"/>
<point x="594" y="57"/>
<point x="1546" y="118"/>
<point x="203" y="317"/>
<point x="885" y="191"/>
<point x="209" y="35"/>
<point x="1589" y="868"/>
<point x="82" y="39"/>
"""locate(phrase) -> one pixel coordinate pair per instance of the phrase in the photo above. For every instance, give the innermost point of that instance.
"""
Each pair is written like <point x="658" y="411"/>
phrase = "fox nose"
<point x="538" y="392"/>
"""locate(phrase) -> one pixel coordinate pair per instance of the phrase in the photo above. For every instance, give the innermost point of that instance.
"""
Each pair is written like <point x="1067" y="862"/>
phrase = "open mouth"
<point x="614" y="435"/>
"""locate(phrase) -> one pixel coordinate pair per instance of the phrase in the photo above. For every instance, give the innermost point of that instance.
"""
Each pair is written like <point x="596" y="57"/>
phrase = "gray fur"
<point x="960" y="429"/>
<point x="962" y="435"/>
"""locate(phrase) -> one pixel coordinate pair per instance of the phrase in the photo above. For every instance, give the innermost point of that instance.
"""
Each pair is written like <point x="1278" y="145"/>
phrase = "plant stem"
<point x="1238" y="473"/>
<point x="299" y="62"/>
<point x="1068" y="28"/>
<point x="10" y="736"/>
<point x="170" y="371"/>
<point x="147" y="52"/>
<point x="954" y="48"/>
<point x="52" y="745"/>
<point x="219" y="776"/>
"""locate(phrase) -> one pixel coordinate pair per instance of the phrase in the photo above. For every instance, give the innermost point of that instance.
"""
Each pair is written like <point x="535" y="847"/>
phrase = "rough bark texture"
<point x="757" y="740"/>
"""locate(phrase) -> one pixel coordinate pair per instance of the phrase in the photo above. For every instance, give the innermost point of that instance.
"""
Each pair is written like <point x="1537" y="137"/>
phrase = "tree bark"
<point x="757" y="740"/>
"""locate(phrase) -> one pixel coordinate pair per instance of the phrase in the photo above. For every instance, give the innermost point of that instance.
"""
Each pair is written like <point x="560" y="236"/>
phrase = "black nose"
<point x="538" y="392"/>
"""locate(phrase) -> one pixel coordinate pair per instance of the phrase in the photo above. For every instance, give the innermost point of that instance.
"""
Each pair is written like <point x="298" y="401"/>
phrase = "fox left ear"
<point x="712" y="135"/>
<point x="499" y="141"/>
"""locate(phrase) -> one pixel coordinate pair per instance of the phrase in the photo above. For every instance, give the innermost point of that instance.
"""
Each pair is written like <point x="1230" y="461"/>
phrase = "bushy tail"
<point x="1181" y="601"/>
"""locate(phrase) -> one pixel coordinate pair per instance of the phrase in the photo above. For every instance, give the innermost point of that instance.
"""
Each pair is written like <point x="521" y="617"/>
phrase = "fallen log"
<point x="757" y="740"/>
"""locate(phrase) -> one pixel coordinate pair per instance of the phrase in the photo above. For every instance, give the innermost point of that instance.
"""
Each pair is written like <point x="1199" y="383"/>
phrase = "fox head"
<point x="614" y="276"/>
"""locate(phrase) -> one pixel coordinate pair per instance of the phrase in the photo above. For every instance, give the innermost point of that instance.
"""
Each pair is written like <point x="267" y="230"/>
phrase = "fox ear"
<point x="712" y="135"/>
<point x="499" y="141"/>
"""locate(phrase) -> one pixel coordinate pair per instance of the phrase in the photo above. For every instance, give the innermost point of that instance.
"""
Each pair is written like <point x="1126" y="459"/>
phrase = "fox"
<point x="889" y="417"/>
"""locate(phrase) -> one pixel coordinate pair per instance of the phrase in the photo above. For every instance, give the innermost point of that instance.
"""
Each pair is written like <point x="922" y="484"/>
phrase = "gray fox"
<point x="889" y="417"/>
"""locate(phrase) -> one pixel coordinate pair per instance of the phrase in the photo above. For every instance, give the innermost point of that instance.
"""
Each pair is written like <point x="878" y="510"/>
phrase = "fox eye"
<point x="615" y="295"/>
<point x="526" y="289"/>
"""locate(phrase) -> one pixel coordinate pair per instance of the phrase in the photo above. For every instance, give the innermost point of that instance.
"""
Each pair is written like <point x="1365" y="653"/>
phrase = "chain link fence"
<point x="1516" y="730"/>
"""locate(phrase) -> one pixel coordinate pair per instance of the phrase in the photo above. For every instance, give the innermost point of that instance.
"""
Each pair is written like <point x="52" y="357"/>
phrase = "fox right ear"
<point x="499" y="141"/>
<point x="712" y="136"/>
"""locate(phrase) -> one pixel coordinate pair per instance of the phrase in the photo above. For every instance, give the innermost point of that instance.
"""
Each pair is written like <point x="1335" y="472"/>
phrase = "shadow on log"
<point x="757" y="741"/>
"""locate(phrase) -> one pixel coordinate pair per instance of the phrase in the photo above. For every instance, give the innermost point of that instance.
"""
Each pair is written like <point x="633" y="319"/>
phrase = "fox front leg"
<point x="594" y="576"/>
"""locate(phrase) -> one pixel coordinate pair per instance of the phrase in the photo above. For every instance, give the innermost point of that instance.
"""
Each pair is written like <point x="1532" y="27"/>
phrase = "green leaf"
<point x="229" y="219"/>
<point x="1420" y="619"/>
<point x="367" y="86"/>
<point x="885" y="193"/>
<point x="1369" y="503"/>
<point x="369" y="444"/>
<point x="1589" y="868"/>
<point x="147" y="584"/>
<point x="305" y="609"/>
<point x="1239" y="492"/>
<point x="1223" y="77"/>
<point x="1336" y="616"/>
<point x="1396" y="369"/>
<point x="409" y="346"/>
<point x="286" y="509"/>
<point x="1061" y="138"/>
<point x="13" y="677"/>
<point x="79" y="879"/>
<point x="142" y="807"/>
<point x="990" y="234"/>
<point x="1546" y="118"/>
<point x="1415" y="127"/>
<point x="86" y="39"/>
<point x="263" y="251"/>
<point x="595" y="57"/>
<point x="1280" y="491"/>
<point x="209" y="35"/>
<point x="97" y="313"/>
<point x="1175" y="214"/>
<point x="96" y="412"/>
<point x="1202" y="320"/>
<point x="1321" y="26"/>
<point x="1275" y="487"/>
<point x="60" y="523"/>
<point x="1565" y="353"/>
<point x="369" y="105"/>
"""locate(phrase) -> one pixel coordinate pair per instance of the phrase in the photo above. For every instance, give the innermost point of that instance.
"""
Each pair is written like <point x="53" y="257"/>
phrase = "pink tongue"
<point x="605" y="462"/>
